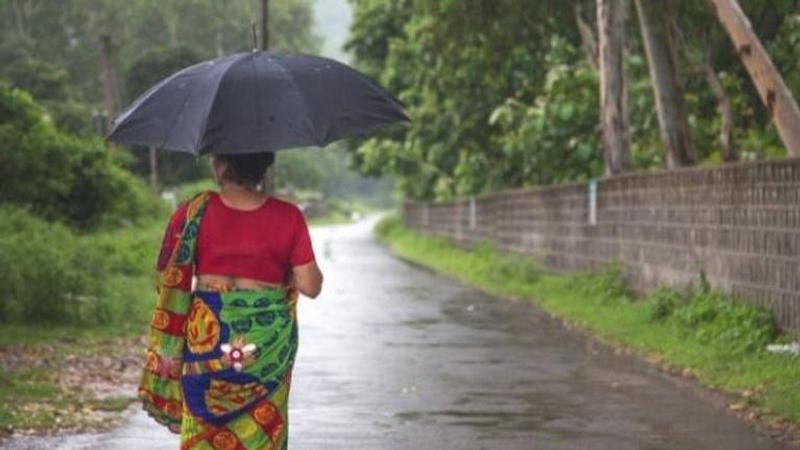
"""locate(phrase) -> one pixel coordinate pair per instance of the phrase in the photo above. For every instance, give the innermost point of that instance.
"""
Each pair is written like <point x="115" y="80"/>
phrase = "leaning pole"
<point x="771" y="87"/>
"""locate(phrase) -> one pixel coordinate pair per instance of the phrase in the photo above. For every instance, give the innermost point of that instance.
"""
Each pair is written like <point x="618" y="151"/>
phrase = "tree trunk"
<point x="655" y="20"/>
<point x="588" y="40"/>
<point x="171" y="19"/>
<point x="613" y="90"/>
<point x="729" y="152"/>
<point x="774" y="93"/>
<point x="153" y="170"/>
<point x="20" y="19"/>
<point x="110" y="86"/>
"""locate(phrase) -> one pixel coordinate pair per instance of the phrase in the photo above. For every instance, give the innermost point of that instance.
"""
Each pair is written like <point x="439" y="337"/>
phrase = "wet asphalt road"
<point x="395" y="357"/>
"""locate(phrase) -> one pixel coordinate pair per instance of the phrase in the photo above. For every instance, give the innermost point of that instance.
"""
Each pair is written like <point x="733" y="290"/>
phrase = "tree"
<point x="656" y="20"/>
<point x="723" y="105"/>
<point x="453" y="63"/>
<point x="726" y="140"/>
<point x="67" y="35"/>
<point x="613" y="89"/>
<point x="587" y="34"/>
<point x="58" y="176"/>
<point x="771" y="87"/>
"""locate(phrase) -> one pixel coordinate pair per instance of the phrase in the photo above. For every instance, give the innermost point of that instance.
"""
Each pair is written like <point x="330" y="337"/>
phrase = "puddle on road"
<point x="511" y="370"/>
<point x="422" y="323"/>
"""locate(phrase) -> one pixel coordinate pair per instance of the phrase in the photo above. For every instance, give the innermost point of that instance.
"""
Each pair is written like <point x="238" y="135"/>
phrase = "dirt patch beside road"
<point x="49" y="389"/>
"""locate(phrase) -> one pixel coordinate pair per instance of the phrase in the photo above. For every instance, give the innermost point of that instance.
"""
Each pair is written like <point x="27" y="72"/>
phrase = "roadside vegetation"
<point x="490" y="111"/>
<point x="78" y="235"/>
<point x="697" y="333"/>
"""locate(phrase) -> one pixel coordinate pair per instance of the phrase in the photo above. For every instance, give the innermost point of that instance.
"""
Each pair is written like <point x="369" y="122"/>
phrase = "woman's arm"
<point x="307" y="278"/>
<point x="305" y="274"/>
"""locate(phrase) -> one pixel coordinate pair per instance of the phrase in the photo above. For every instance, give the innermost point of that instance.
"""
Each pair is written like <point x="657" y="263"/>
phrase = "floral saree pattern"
<point x="219" y="361"/>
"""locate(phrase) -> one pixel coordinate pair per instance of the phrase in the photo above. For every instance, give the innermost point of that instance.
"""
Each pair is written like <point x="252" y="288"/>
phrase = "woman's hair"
<point x="246" y="169"/>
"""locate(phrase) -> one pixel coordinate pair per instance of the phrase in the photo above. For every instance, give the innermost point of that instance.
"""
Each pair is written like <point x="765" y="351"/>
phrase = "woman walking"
<point x="220" y="355"/>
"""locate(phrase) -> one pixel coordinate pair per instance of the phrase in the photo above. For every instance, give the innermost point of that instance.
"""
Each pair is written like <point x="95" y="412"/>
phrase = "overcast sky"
<point x="331" y="20"/>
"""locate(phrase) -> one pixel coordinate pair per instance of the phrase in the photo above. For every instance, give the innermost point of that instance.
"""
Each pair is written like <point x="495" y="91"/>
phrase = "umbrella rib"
<point x="144" y="97"/>
<point x="185" y="101"/>
<point x="258" y="111"/>
<point x="199" y="142"/>
<point x="178" y="114"/>
<point x="303" y="100"/>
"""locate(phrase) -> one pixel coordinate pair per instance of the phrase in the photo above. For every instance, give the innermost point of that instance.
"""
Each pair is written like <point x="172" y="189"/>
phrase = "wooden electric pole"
<point x="264" y="43"/>
<point x="771" y="87"/>
<point x="269" y="179"/>
<point x="110" y="83"/>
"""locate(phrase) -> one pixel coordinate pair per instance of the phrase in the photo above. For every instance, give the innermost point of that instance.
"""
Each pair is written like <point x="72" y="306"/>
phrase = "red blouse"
<point x="263" y="244"/>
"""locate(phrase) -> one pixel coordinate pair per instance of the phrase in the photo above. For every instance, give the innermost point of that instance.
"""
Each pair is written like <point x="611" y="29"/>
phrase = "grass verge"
<point x="698" y="333"/>
<point x="77" y="373"/>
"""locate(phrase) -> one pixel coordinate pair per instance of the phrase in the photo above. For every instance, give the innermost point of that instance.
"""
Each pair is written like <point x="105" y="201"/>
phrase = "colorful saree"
<point x="219" y="361"/>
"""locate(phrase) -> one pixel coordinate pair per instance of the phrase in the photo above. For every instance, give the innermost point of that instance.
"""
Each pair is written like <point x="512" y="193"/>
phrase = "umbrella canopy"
<point x="255" y="102"/>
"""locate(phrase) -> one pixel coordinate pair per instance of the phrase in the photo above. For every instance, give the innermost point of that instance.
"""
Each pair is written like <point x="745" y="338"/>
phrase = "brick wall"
<point x="740" y="224"/>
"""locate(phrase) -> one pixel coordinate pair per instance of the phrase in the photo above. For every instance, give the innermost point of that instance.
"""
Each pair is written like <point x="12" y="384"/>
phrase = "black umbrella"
<point x="256" y="102"/>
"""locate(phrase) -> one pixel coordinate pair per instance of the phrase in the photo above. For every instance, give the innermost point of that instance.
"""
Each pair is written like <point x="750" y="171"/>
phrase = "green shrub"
<point x="662" y="302"/>
<point x="128" y="200"/>
<point x="51" y="274"/>
<point x="58" y="176"/>
<point x="607" y="285"/>
<point x="128" y="251"/>
<point x="713" y="317"/>
<point x="388" y="226"/>
<point x="505" y="267"/>
<point x="710" y="317"/>
<point x="46" y="277"/>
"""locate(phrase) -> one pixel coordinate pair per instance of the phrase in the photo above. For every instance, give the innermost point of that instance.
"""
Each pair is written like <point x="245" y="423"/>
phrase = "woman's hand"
<point x="291" y="291"/>
<point x="292" y="295"/>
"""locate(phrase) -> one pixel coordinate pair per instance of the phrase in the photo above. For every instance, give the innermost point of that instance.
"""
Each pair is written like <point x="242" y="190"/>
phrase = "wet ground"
<point x="395" y="357"/>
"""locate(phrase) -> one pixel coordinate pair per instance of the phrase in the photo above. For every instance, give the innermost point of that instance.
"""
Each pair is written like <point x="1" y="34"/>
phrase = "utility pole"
<point x="771" y="87"/>
<point x="110" y="84"/>
<point x="269" y="181"/>
<point x="264" y="44"/>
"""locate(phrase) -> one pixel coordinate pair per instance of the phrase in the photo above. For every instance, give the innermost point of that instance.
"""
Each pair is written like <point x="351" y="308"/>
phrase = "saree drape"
<point x="219" y="362"/>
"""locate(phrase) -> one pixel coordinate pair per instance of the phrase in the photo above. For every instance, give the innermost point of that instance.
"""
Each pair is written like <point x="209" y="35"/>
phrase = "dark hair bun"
<point x="247" y="169"/>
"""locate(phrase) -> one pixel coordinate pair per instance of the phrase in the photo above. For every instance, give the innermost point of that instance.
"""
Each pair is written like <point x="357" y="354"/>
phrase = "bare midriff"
<point x="208" y="280"/>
